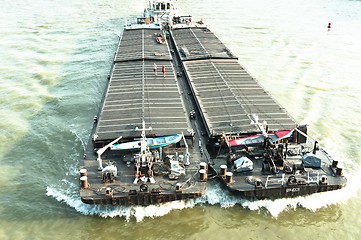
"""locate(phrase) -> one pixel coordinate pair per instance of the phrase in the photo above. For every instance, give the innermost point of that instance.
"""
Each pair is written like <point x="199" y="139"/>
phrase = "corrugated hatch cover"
<point x="134" y="92"/>
<point x="225" y="92"/>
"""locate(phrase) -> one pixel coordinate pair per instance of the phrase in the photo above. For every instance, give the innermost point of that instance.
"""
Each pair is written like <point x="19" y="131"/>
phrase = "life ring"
<point x="292" y="179"/>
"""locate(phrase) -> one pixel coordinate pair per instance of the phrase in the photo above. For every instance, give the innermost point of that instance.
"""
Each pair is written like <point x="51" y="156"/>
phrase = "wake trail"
<point x="67" y="192"/>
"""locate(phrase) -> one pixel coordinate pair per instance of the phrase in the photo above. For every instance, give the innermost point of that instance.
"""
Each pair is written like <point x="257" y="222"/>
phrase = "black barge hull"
<point x="284" y="192"/>
<point x="143" y="199"/>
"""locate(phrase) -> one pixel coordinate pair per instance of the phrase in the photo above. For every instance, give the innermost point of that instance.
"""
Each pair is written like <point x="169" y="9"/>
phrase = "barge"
<point x="179" y="109"/>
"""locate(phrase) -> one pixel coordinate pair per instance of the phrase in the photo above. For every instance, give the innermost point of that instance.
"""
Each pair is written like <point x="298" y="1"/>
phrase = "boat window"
<point x="163" y="6"/>
<point x="140" y="20"/>
<point x="168" y="6"/>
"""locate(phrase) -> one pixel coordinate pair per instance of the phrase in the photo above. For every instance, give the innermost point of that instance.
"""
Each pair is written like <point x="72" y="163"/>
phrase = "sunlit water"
<point x="54" y="59"/>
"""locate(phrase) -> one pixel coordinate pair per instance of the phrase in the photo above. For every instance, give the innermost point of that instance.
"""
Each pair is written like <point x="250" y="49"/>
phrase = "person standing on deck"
<point x="155" y="69"/>
<point x="163" y="70"/>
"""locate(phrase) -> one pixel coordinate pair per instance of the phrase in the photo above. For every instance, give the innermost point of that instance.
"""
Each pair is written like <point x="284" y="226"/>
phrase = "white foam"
<point x="126" y="212"/>
<point x="67" y="192"/>
<point x="311" y="202"/>
<point x="74" y="130"/>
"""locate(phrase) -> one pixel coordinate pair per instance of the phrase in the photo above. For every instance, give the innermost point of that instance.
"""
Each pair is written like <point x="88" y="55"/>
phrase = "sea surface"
<point x="54" y="60"/>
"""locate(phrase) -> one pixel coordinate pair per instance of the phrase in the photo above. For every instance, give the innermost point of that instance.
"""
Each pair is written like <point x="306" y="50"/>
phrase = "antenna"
<point x="262" y="127"/>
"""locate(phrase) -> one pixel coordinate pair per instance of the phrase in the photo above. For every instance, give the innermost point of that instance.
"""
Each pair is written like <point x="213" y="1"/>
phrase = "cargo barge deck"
<point x="209" y="99"/>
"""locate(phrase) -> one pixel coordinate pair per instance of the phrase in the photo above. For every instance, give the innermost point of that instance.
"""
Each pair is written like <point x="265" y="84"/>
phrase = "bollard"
<point x="338" y="171"/>
<point x="223" y="170"/>
<point x="83" y="172"/>
<point x="84" y="182"/>
<point x="334" y="163"/>
<point x="203" y="165"/>
<point x="229" y="177"/>
<point x="203" y="175"/>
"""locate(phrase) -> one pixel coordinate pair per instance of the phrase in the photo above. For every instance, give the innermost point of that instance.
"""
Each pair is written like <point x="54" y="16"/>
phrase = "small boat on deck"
<point x="152" y="143"/>
<point x="260" y="138"/>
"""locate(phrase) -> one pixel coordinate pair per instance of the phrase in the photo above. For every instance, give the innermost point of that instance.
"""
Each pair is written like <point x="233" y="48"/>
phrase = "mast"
<point x="144" y="160"/>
